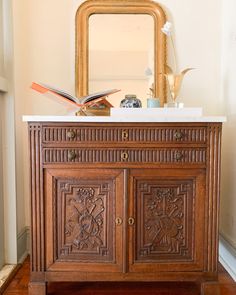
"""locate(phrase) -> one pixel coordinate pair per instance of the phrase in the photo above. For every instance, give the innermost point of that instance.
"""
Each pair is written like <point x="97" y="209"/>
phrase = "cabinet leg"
<point x="37" y="288"/>
<point x="210" y="288"/>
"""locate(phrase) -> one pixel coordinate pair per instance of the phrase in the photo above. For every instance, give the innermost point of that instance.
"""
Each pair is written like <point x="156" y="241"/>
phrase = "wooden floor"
<point x="19" y="285"/>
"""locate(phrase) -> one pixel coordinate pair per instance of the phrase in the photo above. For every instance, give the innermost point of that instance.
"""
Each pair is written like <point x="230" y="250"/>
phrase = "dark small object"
<point x="131" y="101"/>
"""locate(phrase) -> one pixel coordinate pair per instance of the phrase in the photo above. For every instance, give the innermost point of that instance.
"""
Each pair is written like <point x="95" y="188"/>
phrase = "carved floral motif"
<point x="84" y="219"/>
<point x="165" y="220"/>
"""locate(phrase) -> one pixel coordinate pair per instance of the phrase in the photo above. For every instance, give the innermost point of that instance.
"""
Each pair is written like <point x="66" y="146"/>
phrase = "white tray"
<point x="154" y="112"/>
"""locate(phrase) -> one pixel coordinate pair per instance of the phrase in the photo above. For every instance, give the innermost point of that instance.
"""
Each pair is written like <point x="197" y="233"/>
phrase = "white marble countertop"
<point x="108" y="119"/>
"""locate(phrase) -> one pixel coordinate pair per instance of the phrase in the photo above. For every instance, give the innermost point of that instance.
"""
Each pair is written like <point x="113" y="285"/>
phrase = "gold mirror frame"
<point x="91" y="7"/>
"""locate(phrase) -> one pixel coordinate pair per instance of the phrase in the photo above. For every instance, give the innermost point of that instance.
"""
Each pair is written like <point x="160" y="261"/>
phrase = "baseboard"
<point x="23" y="239"/>
<point x="227" y="257"/>
<point x="9" y="278"/>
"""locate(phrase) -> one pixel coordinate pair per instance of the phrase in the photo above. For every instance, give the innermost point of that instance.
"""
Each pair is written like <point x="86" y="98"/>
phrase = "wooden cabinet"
<point x="124" y="202"/>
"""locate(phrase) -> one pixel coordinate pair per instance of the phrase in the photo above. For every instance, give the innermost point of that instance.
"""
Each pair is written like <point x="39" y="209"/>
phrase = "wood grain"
<point x="164" y="177"/>
<point x="19" y="286"/>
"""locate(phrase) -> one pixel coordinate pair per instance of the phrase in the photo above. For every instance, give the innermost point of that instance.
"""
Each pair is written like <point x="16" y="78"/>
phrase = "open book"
<point x="43" y="88"/>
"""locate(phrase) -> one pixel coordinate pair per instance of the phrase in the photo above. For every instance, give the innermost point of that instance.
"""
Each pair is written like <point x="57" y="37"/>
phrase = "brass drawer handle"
<point x="124" y="156"/>
<point x="125" y="134"/>
<point x="179" y="156"/>
<point x="71" y="134"/>
<point x="178" y="135"/>
<point x="118" y="220"/>
<point x="71" y="155"/>
<point x="131" y="221"/>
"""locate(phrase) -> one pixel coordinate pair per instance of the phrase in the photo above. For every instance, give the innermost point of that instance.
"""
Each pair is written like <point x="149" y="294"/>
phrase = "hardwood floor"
<point x="19" y="285"/>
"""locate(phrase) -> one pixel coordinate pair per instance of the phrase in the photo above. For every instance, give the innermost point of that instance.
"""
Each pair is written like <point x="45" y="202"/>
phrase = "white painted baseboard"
<point x="227" y="257"/>
<point x="23" y="240"/>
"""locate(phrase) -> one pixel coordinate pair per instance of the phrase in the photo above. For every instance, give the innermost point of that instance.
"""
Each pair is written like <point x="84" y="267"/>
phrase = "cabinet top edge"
<point x="107" y="119"/>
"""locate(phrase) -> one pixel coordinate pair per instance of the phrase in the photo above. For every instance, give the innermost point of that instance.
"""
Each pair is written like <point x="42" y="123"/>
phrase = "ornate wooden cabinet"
<point x="124" y="202"/>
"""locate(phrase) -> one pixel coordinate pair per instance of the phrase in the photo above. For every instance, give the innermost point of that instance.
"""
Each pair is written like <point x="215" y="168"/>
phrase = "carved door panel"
<point x="82" y="206"/>
<point x="168" y="211"/>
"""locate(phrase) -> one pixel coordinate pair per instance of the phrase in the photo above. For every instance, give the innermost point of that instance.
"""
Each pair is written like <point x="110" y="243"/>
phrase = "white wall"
<point x="1" y="147"/>
<point x="45" y="49"/>
<point x="228" y="201"/>
<point x="2" y="257"/>
<point x="197" y="27"/>
<point x="48" y="36"/>
<point x="10" y="193"/>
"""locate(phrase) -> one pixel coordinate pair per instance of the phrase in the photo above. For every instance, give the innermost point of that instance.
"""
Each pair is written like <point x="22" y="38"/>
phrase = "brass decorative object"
<point x="118" y="221"/>
<point x="178" y="135"/>
<point x="131" y="221"/>
<point x="174" y="81"/>
<point x="71" y="134"/>
<point x="71" y="155"/>
<point x="178" y="156"/>
<point x="125" y="134"/>
<point x="124" y="156"/>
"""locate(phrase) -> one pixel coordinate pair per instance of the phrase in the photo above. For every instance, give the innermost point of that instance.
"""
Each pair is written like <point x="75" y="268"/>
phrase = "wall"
<point x="2" y="258"/>
<point x="228" y="201"/>
<point x="49" y="57"/>
<point x="197" y="29"/>
<point x="45" y="49"/>
<point x="10" y="192"/>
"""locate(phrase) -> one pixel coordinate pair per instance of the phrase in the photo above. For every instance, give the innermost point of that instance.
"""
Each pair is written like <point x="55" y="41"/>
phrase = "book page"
<point x="43" y="88"/>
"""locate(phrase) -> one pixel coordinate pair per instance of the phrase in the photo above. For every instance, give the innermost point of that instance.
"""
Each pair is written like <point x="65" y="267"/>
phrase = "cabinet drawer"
<point x="73" y="134"/>
<point x="110" y="155"/>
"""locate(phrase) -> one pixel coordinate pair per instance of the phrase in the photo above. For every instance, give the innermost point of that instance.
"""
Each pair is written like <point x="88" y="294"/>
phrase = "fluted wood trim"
<point x="212" y="208"/>
<point x="37" y="200"/>
<point x="158" y="134"/>
<point x="189" y="156"/>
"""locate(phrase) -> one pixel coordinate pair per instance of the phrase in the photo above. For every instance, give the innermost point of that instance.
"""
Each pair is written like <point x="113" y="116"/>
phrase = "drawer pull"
<point x="124" y="134"/>
<point x="124" y="156"/>
<point x="71" y="134"/>
<point x="178" y="135"/>
<point x="131" y="221"/>
<point x="71" y="155"/>
<point x="179" y="156"/>
<point x="118" y="220"/>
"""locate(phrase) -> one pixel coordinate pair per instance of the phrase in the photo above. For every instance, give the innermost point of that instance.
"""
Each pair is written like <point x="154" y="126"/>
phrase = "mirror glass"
<point x="121" y="54"/>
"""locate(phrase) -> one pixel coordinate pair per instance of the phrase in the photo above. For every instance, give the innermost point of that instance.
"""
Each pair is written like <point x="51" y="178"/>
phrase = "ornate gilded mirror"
<point x="119" y="44"/>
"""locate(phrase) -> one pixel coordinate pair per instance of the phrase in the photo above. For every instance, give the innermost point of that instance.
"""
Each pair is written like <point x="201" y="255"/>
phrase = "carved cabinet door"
<point x="166" y="224"/>
<point x="83" y="219"/>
